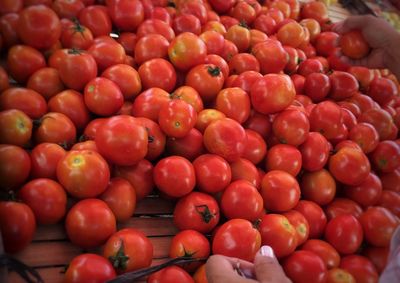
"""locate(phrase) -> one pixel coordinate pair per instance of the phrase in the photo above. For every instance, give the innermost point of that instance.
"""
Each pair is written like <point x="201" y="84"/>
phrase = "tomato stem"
<point x="204" y="212"/>
<point x="213" y="71"/>
<point x="120" y="259"/>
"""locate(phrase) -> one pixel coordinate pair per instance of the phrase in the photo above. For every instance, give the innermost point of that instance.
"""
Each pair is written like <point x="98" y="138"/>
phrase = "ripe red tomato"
<point x="155" y="26"/>
<point x="157" y="72"/>
<point x="148" y="103"/>
<point x="56" y="128"/>
<point x="83" y="174"/>
<point x="156" y="138"/>
<point x="97" y="19"/>
<point x="186" y="23"/>
<point x="189" y="243"/>
<point x="242" y="200"/>
<point x="225" y="137"/>
<point x="305" y="266"/>
<point x="120" y="196"/>
<point x="126" y="15"/>
<point x="381" y="217"/>
<point x="349" y="160"/>
<point x="44" y="159"/>
<point x="46" y="81"/>
<point x="326" y="43"/>
<point x="386" y="156"/>
<point x="128" y="250"/>
<point x="271" y="56"/>
<point x="317" y="86"/>
<point x="174" y="176"/>
<point x="365" y="135"/>
<point x="314" y="215"/>
<point x="89" y="223"/>
<point x="340" y="206"/>
<point x="114" y="140"/>
<point x="367" y="193"/>
<point x="196" y="211"/>
<point x="360" y="267"/>
<point x="292" y="34"/>
<point x="344" y="232"/>
<point x="190" y="146"/>
<point x="15" y="127"/>
<point x="237" y="238"/>
<point x="339" y="275"/>
<point x="234" y="103"/>
<point x="176" y="118"/>
<point x="353" y="44"/>
<point x="314" y="151"/>
<point x="256" y="147"/>
<point x="243" y="169"/>
<point x="46" y="198"/>
<point x="264" y="93"/>
<point x="382" y="90"/>
<point x="77" y="68"/>
<point x="151" y="46"/>
<point x="76" y="35"/>
<point x="300" y="224"/>
<point x="378" y="256"/>
<point x="17" y="225"/>
<point x="170" y="274"/>
<point x="324" y="250"/>
<point x="15" y="166"/>
<point x="89" y="267"/>
<point x="107" y="52"/>
<point x="140" y="176"/>
<point x="213" y="173"/>
<point x="278" y="233"/>
<point x="326" y="118"/>
<point x="391" y="201"/>
<point x="318" y="186"/>
<point x="291" y="127"/>
<point x="67" y="8"/>
<point x="280" y="191"/>
<point x="343" y="85"/>
<point x="39" y="26"/>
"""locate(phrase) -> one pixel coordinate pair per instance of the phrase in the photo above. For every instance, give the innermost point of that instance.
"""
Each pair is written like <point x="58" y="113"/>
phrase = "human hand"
<point x="381" y="37"/>
<point x="265" y="269"/>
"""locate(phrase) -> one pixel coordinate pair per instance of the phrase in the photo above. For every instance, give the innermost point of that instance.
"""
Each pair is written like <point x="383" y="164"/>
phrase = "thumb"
<point x="267" y="267"/>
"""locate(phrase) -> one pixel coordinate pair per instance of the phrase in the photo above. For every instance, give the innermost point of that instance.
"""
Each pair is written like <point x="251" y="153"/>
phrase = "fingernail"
<point x="267" y="251"/>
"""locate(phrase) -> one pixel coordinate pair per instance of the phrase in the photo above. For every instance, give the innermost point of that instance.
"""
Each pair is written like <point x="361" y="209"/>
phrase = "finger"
<point x="353" y="22"/>
<point x="267" y="267"/>
<point x="222" y="269"/>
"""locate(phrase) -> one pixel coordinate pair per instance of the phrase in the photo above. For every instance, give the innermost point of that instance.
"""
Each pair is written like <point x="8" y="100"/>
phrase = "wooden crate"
<point x="51" y="251"/>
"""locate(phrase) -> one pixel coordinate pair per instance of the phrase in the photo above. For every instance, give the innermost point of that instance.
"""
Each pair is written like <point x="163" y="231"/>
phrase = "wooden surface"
<point x="50" y="250"/>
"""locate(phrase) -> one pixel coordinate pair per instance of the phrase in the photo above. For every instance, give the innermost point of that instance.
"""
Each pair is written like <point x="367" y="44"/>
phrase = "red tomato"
<point x="242" y="200"/>
<point x="57" y="128"/>
<point x="326" y="118"/>
<point x="339" y="275"/>
<point x="77" y="68"/>
<point x="107" y="52"/>
<point x="156" y="138"/>
<point x="367" y="193"/>
<point x="213" y="173"/>
<point x="315" y="216"/>
<point x="324" y="250"/>
<point x="46" y="81"/>
<point x="244" y="12"/>
<point x="76" y="36"/>
<point x="378" y="256"/>
<point x="46" y="198"/>
<point x="292" y="34"/>
<point x="15" y="127"/>
<point x="97" y="19"/>
<point x="386" y="156"/>
<point x="148" y="103"/>
<point x="83" y="174"/>
<point x="280" y="191"/>
<point x="190" y="95"/>
<point x="190" y="146"/>
<point x="300" y="224"/>
<point x="89" y="268"/>
<point x="39" y="26"/>
<point x="89" y="223"/>
<point x="120" y="196"/>
<point x="221" y="6"/>
<point x="23" y="61"/>
<point x="354" y="45"/>
<point x="314" y="152"/>
<point x="391" y="201"/>
<point x="284" y="157"/>
<point x="187" y="50"/>
<point x="381" y="120"/>
<point x="265" y="23"/>
<point x="157" y="72"/>
<point x="365" y="135"/>
<point x="256" y="147"/>
<point x="196" y="211"/>
<point x="174" y="176"/>
<point x="317" y="86"/>
<point x="243" y="169"/>
<point x="234" y="103"/>
<point x="265" y="91"/>
<point x="382" y="90"/>
<point x="343" y="206"/>
<point x="128" y="250"/>
<point x="126" y="15"/>
<point x="278" y="233"/>
<point x="225" y="137"/>
<point x="305" y="266"/>
<point x="44" y="159"/>
<point x="8" y="25"/>
<point x="186" y="23"/>
<point x="214" y="41"/>
<point x="240" y="36"/>
<point x="170" y="274"/>
<point x="291" y="127"/>
<point x="155" y="26"/>
<point x="17" y="225"/>
<point x="345" y="233"/>
<point x="67" y="8"/>
<point x="343" y="85"/>
<point x="326" y="43"/>
<point x="318" y="186"/>
<point x="378" y="217"/>
<point x="361" y="268"/>
<point x="15" y="166"/>
<point x="140" y="176"/>
<point x="271" y="56"/>
<point x="237" y="238"/>
<point x="176" y="118"/>
<point x="189" y="243"/>
<point x="200" y="275"/>
<point x="349" y="160"/>
<point x="391" y="181"/>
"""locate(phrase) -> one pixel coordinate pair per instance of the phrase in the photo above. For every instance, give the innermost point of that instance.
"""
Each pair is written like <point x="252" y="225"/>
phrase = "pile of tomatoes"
<point x="242" y="113"/>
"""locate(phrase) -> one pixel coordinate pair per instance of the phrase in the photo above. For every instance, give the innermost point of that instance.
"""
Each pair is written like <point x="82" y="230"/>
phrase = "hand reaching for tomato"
<point x="265" y="269"/>
<point x="380" y="36"/>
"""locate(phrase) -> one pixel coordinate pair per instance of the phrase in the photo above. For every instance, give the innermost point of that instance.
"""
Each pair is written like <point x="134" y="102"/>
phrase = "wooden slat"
<point x="45" y="254"/>
<point x="56" y="275"/>
<point x="154" y="205"/>
<point x="157" y="226"/>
